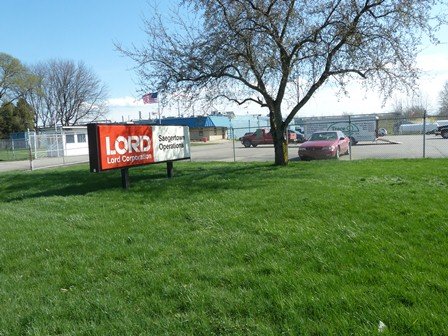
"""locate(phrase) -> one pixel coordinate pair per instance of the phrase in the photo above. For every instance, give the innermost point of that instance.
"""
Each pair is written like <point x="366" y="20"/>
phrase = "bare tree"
<point x="67" y="94"/>
<point x="415" y="107"/>
<point x="76" y="93"/>
<point x="36" y="98"/>
<point x="415" y="111"/>
<point x="443" y="100"/>
<point x="256" y="50"/>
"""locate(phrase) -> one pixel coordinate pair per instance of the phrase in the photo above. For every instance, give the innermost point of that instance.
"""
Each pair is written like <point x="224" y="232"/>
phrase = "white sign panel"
<point x="171" y="143"/>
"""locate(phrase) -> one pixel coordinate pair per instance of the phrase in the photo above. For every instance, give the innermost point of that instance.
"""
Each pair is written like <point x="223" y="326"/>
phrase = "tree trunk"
<point x="278" y="129"/>
<point x="281" y="151"/>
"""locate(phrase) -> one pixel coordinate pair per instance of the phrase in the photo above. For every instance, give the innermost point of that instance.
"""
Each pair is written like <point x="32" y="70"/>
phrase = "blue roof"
<point x="198" y="122"/>
<point x="240" y="123"/>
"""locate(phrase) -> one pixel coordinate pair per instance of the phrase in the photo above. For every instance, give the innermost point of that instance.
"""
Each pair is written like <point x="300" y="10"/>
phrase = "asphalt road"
<point x="400" y="146"/>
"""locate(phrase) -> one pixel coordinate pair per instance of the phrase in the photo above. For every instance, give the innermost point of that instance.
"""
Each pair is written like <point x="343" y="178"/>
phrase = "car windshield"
<point x="324" y="136"/>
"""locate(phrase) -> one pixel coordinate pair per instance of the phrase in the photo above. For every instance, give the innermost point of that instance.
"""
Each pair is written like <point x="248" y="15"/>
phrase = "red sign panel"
<point x="123" y="146"/>
<point x="118" y="146"/>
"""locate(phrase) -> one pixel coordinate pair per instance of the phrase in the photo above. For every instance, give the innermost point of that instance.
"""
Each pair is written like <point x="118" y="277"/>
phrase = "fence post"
<point x="57" y="140"/>
<point x="30" y="152"/>
<point x="424" y="133"/>
<point x="233" y="141"/>
<point x="35" y="143"/>
<point x="64" y="148"/>
<point x="13" y="148"/>
<point x="350" y="136"/>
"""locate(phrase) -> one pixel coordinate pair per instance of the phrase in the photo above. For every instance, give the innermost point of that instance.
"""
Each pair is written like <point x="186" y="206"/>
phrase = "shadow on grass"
<point x="151" y="180"/>
<point x="44" y="183"/>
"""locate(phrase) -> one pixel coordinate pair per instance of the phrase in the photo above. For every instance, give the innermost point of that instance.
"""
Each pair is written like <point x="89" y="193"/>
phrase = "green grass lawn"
<point x="13" y="155"/>
<point x="316" y="248"/>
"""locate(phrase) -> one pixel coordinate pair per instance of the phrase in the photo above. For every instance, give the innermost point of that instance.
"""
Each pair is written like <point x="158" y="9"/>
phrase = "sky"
<point x="86" y="30"/>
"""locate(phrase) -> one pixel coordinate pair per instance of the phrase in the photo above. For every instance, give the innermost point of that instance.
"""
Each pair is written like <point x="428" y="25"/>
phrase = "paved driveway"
<point x="14" y="165"/>
<point x="42" y="163"/>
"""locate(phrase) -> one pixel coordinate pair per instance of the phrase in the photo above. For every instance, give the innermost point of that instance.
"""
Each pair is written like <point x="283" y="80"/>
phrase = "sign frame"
<point x="122" y="146"/>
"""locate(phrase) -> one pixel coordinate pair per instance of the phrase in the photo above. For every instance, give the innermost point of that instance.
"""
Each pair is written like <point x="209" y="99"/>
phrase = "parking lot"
<point x="390" y="147"/>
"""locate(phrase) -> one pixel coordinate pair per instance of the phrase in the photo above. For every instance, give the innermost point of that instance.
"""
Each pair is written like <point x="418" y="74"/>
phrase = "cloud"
<point x="129" y="108"/>
<point x="436" y="63"/>
<point x="327" y="101"/>
<point x="125" y="102"/>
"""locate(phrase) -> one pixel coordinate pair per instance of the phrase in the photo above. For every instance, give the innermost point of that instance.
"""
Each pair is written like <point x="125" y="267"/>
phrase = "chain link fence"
<point x="14" y="149"/>
<point x="33" y="151"/>
<point x="372" y="137"/>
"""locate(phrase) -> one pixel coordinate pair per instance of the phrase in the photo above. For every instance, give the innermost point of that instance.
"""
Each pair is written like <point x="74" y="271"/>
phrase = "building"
<point x="62" y="141"/>
<point x="203" y="128"/>
<point x="216" y="126"/>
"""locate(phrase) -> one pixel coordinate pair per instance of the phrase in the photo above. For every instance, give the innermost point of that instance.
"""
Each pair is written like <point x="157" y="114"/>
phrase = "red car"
<point x="262" y="137"/>
<point x="325" y="145"/>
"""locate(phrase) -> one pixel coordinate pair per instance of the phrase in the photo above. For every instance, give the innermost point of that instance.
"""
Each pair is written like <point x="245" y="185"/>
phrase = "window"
<point x="81" y="137"/>
<point x="70" y="138"/>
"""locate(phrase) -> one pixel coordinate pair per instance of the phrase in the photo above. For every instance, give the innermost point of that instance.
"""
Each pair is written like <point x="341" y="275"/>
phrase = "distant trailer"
<point x="416" y="128"/>
<point x="358" y="127"/>
<point x="442" y="122"/>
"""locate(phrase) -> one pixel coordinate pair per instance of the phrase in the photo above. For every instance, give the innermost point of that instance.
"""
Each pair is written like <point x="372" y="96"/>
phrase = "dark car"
<point x="300" y="137"/>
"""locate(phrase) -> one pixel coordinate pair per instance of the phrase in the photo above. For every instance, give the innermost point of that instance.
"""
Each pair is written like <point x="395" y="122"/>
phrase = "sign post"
<point x="122" y="146"/>
<point x="169" y="169"/>
<point x="125" y="178"/>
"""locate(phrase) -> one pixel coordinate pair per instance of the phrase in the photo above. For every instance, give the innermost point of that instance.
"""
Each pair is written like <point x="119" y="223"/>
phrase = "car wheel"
<point x="254" y="145"/>
<point x="246" y="143"/>
<point x="444" y="134"/>
<point x="337" y="154"/>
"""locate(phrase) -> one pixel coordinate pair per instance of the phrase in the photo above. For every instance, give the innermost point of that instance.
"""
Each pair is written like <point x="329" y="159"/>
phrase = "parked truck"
<point x="263" y="137"/>
<point x="442" y="130"/>
<point x="357" y="127"/>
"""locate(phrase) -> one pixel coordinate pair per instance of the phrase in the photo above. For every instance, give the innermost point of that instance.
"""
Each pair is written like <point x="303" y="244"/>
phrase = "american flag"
<point x="150" y="98"/>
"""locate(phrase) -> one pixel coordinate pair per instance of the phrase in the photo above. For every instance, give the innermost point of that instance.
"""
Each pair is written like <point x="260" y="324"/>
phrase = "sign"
<point x="118" y="146"/>
<point x="345" y="127"/>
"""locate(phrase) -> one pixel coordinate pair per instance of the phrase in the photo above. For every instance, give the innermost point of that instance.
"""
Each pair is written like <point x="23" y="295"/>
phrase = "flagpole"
<point x="158" y="109"/>
<point x="151" y="98"/>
